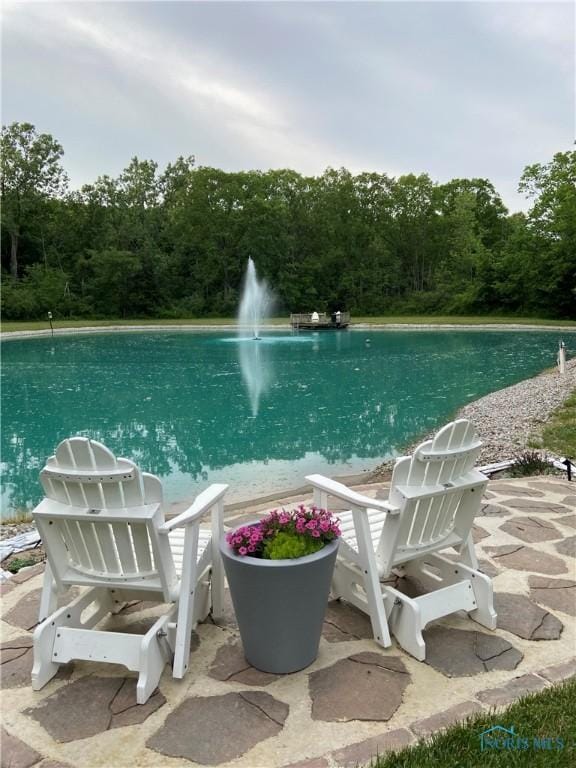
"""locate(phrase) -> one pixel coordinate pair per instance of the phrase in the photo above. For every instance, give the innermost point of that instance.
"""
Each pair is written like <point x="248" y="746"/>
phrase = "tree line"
<point x="174" y="243"/>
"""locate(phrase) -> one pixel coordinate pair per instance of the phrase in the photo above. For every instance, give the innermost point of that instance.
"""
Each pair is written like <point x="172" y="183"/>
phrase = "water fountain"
<point x="255" y="305"/>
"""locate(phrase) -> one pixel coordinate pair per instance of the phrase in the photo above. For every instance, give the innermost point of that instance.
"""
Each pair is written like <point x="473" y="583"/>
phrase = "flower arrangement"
<point x="285" y="534"/>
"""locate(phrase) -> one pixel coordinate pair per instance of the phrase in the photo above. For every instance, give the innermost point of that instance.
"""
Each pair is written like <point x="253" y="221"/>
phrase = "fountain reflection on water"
<point x="255" y="364"/>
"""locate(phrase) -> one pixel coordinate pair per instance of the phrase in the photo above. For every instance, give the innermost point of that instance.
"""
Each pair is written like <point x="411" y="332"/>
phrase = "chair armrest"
<point x="340" y="491"/>
<point x="196" y="511"/>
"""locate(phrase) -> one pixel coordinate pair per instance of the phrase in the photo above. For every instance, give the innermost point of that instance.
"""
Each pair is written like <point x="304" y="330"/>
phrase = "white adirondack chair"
<point x="102" y="525"/>
<point x="434" y="497"/>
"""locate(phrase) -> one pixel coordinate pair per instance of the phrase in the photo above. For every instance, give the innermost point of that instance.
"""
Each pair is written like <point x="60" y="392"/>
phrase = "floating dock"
<point x="320" y="321"/>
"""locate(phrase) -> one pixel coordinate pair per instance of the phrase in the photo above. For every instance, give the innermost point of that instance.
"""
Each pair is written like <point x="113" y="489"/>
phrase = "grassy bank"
<point x="37" y="325"/>
<point x="559" y="434"/>
<point x="544" y="730"/>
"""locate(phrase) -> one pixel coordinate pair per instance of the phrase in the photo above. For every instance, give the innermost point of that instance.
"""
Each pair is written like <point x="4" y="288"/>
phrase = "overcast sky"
<point x="453" y="89"/>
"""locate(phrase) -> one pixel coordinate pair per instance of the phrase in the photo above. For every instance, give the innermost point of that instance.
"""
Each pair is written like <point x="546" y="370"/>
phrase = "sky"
<point x="453" y="89"/>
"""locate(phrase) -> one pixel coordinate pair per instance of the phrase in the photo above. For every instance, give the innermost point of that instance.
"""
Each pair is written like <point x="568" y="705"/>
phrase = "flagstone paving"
<point x="356" y="700"/>
<point x="558" y="594"/>
<point x="519" y="615"/>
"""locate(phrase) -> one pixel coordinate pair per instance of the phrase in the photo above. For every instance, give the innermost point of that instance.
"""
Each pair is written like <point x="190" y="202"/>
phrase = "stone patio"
<point x="357" y="699"/>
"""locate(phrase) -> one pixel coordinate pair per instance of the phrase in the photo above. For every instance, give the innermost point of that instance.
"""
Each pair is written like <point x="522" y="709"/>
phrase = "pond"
<point x="196" y="408"/>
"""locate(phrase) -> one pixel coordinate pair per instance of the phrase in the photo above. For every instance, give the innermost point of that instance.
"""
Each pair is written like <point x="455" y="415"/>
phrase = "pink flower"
<point x="242" y="551"/>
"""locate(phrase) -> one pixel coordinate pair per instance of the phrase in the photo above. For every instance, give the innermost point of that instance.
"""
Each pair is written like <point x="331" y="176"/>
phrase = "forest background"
<point x="174" y="243"/>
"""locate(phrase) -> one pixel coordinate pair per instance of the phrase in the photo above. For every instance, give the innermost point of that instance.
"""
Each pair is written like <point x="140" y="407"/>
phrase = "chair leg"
<point x="188" y="586"/>
<point x="49" y="596"/>
<point x="484" y="594"/>
<point x="468" y="553"/>
<point x="365" y="593"/>
<point x="406" y="624"/>
<point x="44" y="667"/>
<point x="154" y="656"/>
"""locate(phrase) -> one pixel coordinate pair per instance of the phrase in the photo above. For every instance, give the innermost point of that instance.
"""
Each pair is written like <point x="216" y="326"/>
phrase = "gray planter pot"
<point x="280" y="606"/>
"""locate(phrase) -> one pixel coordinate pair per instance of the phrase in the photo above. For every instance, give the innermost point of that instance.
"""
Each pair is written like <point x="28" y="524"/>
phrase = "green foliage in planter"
<point x="286" y="546"/>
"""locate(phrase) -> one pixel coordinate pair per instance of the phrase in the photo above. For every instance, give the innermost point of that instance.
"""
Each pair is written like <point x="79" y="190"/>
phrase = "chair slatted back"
<point x="104" y="525"/>
<point x="438" y="492"/>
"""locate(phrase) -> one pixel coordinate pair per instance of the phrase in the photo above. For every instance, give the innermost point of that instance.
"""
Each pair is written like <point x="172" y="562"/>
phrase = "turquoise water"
<point x="196" y="408"/>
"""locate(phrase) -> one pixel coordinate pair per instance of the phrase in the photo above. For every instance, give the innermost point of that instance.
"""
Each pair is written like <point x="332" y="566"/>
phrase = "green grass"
<point x="42" y="325"/>
<point x="559" y="434"/>
<point x="36" y="325"/>
<point x="20" y="562"/>
<point x="461" y="320"/>
<point x="548" y="714"/>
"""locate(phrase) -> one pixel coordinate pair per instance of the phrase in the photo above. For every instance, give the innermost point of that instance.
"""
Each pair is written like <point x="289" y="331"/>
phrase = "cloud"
<point x="450" y="88"/>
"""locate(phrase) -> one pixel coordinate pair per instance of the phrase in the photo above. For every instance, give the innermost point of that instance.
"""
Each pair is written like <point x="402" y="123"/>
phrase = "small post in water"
<point x="562" y="357"/>
<point x="50" y="320"/>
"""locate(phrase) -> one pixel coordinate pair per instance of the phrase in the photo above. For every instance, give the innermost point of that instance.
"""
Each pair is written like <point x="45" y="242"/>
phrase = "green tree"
<point x="552" y="223"/>
<point x="31" y="173"/>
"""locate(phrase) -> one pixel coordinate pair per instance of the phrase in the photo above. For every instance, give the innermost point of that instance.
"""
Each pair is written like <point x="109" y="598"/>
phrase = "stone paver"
<point x="522" y="558"/>
<point x="17" y="657"/>
<point x="17" y="754"/>
<point x="493" y="510"/>
<point x="344" y="622"/>
<point x="25" y="613"/>
<point x="53" y="764"/>
<point x="217" y="729"/>
<point x="315" y="762"/>
<point x="445" y="719"/>
<point x="519" y="615"/>
<point x="567" y="520"/>
<point x="462" y="652"/>
<point x="531" y="506"/>
<point x="569" y="501"/>
<point x="488" y="568"/>
<point x="25" y="574"/>
<point x="559" y="486"/>
<point x="531" y="529"/>
<point x="567" y="547"/>
<point x="362" y="752"/>
<point x="351" y="689"/>
<point x="16" y="660"/>
<point x="512" y="690"/>
<point x="558" y="594"/>
<point x="92" y="705"/>
<point x="230" y="664"/>
<point x="508" y="489"/>
<point x="559" y="672"/>
<point x="478" y="534"/>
